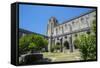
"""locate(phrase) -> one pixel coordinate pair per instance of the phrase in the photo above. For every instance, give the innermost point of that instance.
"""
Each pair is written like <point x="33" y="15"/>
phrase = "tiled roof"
<point x="30" y="32"/>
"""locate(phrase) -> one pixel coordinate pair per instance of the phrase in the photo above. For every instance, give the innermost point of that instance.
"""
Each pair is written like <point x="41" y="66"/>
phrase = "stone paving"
<point x="67" y="56"/>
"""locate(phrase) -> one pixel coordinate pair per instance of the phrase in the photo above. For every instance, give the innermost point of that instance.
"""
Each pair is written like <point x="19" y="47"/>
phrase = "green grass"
<point x="67" y="56"/>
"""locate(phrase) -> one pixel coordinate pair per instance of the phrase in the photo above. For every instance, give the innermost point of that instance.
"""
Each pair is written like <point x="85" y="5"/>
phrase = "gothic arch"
<point x="66" y="44"/>
<point x="74" y="43"/>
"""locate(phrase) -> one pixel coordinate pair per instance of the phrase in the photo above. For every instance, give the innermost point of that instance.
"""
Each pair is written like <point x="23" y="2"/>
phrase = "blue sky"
<point x="35" y="18"/>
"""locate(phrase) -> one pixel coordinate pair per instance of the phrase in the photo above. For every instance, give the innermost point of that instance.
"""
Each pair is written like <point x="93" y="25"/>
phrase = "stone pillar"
<point x="61" y="42"/>
<point x="70" y="39"/>
<point x="50" y="44"/>
<point x="71" y="44"/>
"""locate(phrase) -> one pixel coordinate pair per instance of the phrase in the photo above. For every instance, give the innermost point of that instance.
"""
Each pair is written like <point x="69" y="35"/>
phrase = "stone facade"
<point x="66" y="32"/>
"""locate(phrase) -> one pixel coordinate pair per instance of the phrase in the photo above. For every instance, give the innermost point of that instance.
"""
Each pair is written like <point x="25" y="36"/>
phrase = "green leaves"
<point x="31" y="42"/>
<point x="32" y="45"/>
<point x="94" y="26"/>
<point x="23" y="44"/>
<point x="87" y="44"/>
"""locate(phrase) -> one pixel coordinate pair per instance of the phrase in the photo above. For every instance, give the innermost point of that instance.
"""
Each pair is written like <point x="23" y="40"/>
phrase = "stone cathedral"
<point x="65" y="33"/>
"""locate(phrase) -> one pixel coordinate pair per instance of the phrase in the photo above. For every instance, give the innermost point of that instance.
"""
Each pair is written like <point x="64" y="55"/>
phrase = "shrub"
<point x="87" y="46"/>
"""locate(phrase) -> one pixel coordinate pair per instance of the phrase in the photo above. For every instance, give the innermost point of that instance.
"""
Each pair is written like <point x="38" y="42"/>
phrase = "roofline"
<point x="20" y="29"/>
<point x="77" y="17"/>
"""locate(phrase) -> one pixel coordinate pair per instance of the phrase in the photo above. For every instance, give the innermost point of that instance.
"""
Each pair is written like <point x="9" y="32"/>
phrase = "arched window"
<point x="57" y="38"/>
<point x="62" y="30"/>
<point x="88" y="32"/>
<point x="82" y="19"/>
<point x="65" y="26"/>
<point x="66" y="44"/>
<point x="75" y="35"/>
<point x="66" y="37"/>
<point x="56" y="31"/>
<point x="73" y="23"/>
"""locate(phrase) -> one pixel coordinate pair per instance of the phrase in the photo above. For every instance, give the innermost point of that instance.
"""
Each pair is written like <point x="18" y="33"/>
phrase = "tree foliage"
<point x="87" y="44"/>
<point x="94" y="26"/>
<point x="31" y="42"/>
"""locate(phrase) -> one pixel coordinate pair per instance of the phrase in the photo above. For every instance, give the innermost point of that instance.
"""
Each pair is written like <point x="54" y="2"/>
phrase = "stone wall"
<point x="69" y="29"/>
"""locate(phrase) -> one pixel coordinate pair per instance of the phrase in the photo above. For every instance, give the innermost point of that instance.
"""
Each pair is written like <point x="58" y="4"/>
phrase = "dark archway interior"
<point x="57" y="43"/>
<point x="66" y="44"/>
<point x="75" y="46"/>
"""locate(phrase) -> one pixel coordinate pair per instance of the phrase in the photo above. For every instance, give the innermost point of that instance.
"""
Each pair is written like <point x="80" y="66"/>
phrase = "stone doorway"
<point x="66" y="45"/>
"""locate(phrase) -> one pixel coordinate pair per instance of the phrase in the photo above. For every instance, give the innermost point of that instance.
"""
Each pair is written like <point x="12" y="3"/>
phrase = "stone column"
<point x="50" y="44"/>
<point x="71" y="44"/>
<point x="61" y="44"/>
<point x="70" y="39"/>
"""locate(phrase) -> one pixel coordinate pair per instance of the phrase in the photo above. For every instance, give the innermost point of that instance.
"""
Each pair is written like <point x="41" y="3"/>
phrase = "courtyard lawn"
<point x="67" y="56"/>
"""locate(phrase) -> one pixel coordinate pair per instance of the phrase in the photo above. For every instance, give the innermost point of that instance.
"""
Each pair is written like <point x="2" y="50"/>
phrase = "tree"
<point x="31" y="43"/>
<point x="32" y="46"/>
<point x="24" y="43"/>
<point x="94" y="26"/>
<point x="87" y="44"/>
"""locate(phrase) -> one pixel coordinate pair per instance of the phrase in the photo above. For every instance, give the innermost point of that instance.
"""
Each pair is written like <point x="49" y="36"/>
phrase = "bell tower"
<point x="50" y="26"/>
<point x="50" y="30"/>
